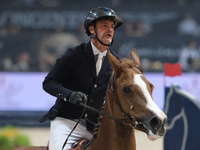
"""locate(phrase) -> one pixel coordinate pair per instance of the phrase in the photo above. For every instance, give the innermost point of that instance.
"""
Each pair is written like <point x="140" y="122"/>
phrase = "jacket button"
<point x="59" y="94"/>
<point x="65" y="99"/>
<point x="86" y="115"/>
<point x="95" y="85"/>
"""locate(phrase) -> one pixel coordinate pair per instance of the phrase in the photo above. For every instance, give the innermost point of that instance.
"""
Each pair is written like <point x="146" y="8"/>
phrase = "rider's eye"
<point x="126" y="90"/>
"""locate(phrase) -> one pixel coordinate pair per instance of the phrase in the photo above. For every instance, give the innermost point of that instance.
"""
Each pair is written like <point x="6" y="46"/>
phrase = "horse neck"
<point x="112" y="135"/>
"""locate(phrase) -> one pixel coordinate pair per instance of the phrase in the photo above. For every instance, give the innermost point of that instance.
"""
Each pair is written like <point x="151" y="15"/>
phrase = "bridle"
<point x="128" y="119"/>
<point x="139" y="68"/>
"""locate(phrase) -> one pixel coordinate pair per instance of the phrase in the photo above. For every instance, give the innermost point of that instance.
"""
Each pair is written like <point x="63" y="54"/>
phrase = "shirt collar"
<point x="96" y="51"/>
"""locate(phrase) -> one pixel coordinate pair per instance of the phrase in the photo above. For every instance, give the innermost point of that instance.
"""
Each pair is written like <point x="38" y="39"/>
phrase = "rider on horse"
<point x="73" y="79"/>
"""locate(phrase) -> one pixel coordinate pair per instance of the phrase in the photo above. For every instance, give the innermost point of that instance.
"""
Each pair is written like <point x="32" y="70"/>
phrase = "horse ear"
<point x="114" y="62"/>
<point x="134" y="57"/>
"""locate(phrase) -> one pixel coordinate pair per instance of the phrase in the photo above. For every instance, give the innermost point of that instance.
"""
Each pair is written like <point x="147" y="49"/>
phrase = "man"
<point x="75" y="78"/>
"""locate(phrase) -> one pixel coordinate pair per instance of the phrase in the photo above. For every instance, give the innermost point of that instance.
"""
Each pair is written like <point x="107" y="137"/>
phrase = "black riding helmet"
<point x="101" y="13"/>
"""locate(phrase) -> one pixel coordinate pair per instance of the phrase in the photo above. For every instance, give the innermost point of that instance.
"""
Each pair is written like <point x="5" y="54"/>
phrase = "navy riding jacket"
<point x="76" y="71"/>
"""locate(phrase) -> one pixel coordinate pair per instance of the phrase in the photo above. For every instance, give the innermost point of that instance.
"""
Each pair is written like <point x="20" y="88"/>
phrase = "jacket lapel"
<point x="90" y="58"/>
<point x="91" y="62"/>
<point x="104" y="67"/>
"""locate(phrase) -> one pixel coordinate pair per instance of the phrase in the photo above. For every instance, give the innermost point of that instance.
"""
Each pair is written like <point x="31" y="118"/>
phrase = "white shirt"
<point x="100" y="56"/>
<point x="96" y="51"/>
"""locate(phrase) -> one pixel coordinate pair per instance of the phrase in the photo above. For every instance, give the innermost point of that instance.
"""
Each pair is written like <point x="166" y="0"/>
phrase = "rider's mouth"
<point x="108" y="35"/>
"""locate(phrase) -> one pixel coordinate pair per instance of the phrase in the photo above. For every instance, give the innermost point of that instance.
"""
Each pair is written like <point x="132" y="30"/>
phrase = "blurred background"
<point x="33" y="33"/>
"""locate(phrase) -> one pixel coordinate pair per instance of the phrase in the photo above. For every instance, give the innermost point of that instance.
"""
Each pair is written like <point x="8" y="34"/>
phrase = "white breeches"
<point x="60" y="128"/>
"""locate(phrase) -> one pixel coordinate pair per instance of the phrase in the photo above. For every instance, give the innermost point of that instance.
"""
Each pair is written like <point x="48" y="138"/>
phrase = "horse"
<point x="128" y="106"/>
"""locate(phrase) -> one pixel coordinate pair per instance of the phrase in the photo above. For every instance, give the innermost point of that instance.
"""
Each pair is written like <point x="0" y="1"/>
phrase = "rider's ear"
<point x="91" y="29"/>
<point x="134" y="57"/>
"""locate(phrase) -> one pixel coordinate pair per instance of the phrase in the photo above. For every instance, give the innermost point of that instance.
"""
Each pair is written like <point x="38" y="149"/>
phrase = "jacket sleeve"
<point x="53" y="82"/>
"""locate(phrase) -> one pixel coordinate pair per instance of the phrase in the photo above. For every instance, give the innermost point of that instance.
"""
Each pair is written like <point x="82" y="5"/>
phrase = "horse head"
<point x="134" y="97"/>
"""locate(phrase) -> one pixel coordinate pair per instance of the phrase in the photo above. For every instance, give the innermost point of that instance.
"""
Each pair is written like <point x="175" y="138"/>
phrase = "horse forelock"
<point x="127" y="64"/>
<point x="124" y="63"/>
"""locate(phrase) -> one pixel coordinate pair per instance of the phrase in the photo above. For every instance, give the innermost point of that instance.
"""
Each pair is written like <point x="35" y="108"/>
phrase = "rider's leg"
<point x="59" y="131"/>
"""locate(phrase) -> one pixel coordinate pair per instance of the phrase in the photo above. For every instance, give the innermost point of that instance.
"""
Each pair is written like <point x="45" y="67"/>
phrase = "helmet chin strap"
<point x="95" y="36"/>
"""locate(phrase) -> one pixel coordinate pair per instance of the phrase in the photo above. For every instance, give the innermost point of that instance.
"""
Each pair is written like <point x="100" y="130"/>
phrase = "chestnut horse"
<point x="128" y="105"/>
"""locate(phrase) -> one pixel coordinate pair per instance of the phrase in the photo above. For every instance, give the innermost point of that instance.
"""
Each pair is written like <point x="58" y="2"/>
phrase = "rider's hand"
<point x="77" y="97"/>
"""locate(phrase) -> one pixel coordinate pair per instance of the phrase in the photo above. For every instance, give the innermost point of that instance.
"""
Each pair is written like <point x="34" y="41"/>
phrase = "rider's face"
<point x="105" y="30"/>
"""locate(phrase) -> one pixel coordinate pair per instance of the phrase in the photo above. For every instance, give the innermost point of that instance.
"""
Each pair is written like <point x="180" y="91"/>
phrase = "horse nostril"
<point x="155" y="123"/>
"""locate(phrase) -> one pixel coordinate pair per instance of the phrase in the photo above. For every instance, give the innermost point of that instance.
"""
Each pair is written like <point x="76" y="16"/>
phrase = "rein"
<point x="102" y="113"/>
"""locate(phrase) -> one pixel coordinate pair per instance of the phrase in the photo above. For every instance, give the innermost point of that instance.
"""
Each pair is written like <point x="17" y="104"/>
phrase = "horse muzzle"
<point x="156" y="128"/>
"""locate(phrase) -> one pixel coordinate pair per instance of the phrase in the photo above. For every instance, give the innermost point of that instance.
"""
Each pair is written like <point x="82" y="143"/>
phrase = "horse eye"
<point x="126" y="90"/>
